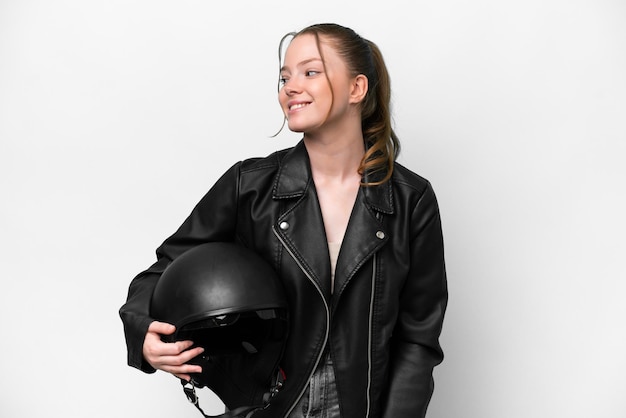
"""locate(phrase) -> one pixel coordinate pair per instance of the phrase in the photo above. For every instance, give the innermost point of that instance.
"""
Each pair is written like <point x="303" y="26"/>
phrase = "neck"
<point x="338" y="158"/>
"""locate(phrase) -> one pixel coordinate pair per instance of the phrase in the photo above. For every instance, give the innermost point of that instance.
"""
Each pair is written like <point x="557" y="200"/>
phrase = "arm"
<point x="213" y="219"/>
<point x="415" y="347"/>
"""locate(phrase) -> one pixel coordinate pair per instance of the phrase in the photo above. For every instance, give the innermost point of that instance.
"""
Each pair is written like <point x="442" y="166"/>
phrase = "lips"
<point x="297" y="105"/>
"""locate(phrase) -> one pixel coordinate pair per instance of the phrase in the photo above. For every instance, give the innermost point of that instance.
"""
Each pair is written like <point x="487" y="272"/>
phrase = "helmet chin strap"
<point x="243" y="411"/>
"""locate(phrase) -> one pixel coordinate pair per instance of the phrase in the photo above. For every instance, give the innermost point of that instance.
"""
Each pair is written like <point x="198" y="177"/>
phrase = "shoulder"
<point x="269" y="163"/>
<point x="406" y="180"/>
<point x="261" y="174"/>
<point x="415" y="195"/>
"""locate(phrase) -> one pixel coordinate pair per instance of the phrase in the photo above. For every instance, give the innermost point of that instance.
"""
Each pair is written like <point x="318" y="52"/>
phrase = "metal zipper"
<point x="319" y="357"/>
<point x="369" y="338"/>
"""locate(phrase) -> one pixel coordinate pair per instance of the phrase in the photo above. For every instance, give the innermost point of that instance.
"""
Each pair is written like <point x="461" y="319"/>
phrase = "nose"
<point x="291" y="87"/>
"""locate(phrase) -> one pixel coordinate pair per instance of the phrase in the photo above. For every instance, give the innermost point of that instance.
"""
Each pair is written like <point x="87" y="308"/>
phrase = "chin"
<point x="302" y="127"/>
<point x="296" y="128"/>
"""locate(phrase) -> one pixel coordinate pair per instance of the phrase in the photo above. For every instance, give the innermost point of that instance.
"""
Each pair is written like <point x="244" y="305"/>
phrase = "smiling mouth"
<point x="298" y="106"/>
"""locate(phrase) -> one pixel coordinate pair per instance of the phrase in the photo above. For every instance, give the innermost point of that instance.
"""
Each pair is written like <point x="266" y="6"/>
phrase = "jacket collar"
<point x="294" y="177"/>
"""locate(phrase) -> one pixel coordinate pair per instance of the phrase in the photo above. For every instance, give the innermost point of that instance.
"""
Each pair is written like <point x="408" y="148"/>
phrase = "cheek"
<point x="282" y="99"/>
<point x="322" y="93"/>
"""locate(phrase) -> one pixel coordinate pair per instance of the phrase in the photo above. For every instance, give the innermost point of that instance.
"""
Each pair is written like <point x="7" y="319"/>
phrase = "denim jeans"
<point x="320" y="397"/>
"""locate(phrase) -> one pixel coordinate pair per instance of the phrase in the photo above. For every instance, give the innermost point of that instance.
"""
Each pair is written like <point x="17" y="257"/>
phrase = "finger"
<point x="185" y="377"/>
<point x="162" y="328"/>
<point x="181" y="359"/>
<point x="155" y="347"/>
<point x="171" y="363"/>
<point x="183" y="369"/>
<point x="182" y="346"/>
<point x="185" y="356"/>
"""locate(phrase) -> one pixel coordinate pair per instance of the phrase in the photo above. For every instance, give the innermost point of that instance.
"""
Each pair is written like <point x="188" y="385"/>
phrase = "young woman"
<point x="354" y="236"/>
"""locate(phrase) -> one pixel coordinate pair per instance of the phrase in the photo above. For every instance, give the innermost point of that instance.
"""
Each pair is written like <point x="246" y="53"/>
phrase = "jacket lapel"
<point x="366" y="233"/>
<point x="364" y="236"/>
<point x="301" y="226"/>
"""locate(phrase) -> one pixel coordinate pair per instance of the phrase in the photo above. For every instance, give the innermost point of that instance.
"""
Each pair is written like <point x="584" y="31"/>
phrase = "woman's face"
<point x="306" y="97"/>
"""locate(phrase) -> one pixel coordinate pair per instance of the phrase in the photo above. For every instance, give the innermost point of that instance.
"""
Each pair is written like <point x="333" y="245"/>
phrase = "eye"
<point x="282" y="81"/>
<point x="311" y="73"/>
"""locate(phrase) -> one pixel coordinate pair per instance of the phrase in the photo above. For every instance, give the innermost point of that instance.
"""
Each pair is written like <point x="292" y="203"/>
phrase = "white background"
<point x="117" y="116"/>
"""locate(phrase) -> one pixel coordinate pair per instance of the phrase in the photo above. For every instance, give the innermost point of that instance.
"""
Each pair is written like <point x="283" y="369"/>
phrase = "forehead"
<point x="305" y="47"/>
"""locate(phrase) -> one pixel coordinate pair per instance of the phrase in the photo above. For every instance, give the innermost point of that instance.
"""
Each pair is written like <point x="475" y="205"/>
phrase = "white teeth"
<point x="298" y="106"/>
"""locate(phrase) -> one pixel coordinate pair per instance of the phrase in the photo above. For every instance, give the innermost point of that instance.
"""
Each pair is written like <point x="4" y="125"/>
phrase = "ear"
<point x="360" y="85"/>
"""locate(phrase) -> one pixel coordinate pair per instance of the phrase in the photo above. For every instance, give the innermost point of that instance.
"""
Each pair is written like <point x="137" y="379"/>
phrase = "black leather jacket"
<point x="383" y="321"/>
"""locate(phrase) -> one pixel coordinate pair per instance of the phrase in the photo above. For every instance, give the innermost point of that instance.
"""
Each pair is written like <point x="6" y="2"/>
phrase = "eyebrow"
<point x="301" y="63"/>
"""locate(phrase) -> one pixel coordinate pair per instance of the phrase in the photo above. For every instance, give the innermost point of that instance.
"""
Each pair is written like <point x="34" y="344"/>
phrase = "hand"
<point x="169" y="357"/>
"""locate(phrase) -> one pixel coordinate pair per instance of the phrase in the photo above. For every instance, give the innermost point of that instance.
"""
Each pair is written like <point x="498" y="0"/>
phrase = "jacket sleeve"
<point x="212" y="219"/>
<point x="415" y="345"/>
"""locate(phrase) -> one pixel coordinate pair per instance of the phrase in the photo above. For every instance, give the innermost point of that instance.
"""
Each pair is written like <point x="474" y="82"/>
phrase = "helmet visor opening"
<point x="234" y="334"/>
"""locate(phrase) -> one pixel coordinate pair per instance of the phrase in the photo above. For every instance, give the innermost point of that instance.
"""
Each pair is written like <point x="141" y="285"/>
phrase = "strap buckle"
<point x="190" y="391"/>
